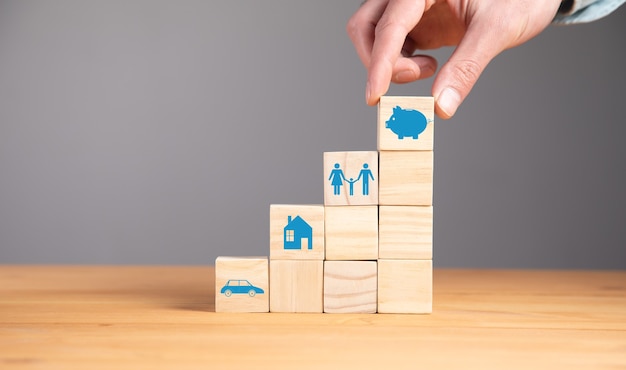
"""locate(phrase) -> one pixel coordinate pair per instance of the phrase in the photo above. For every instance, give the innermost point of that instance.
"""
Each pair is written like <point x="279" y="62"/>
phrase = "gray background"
<point x="159" y="132"/>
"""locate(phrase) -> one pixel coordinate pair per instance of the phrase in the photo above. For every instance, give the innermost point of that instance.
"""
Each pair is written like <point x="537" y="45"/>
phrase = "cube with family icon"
<point x="350" y="178"/>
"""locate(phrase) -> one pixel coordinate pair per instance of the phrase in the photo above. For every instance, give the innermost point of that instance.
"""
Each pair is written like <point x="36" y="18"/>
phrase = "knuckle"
<point x="352" y="26"/>
<point x="384" y="25"/>
<point x="356" y="25"/>
<point x="467" y="72"/>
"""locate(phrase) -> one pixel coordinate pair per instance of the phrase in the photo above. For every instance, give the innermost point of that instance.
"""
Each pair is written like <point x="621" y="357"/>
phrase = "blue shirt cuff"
<point x="582" y="11"/>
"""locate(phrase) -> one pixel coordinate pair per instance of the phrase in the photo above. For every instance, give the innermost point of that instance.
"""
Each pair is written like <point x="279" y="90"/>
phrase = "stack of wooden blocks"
<point x="368" y="248"/>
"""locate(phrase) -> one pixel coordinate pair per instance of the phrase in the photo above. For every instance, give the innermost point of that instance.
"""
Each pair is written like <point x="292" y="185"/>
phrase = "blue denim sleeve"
<point x="582" y="11"/>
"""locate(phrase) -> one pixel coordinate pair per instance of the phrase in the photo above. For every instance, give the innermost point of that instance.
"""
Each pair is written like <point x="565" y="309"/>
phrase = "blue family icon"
<point x="365" y="175"/>
<point x="351" y="181"/>
<point x="240" y="286"/>
<point x="337" y="178"/>
<point x="407" y="123"/>
<point x="298" y="234"/>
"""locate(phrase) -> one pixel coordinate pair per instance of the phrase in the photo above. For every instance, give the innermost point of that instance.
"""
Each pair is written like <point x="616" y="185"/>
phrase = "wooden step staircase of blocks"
<point x="368" y="248"/>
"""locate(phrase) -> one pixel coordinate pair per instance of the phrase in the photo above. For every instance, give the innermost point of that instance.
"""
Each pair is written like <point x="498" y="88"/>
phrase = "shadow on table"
<point x="185" y="288"/>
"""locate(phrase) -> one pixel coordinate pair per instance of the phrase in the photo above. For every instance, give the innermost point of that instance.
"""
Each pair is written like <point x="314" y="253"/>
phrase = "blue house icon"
<point x="298" y="234"/>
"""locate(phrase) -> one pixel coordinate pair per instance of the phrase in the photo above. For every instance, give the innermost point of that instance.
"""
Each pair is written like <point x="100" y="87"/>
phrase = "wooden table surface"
<point x="90" y="317"/>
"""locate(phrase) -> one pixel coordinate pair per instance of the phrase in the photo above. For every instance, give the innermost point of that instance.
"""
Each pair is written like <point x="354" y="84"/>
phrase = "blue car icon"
<point x="240" y="287"/>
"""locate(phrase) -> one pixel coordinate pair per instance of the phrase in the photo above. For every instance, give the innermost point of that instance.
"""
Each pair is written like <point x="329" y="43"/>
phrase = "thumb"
<point x="460" y="73"/>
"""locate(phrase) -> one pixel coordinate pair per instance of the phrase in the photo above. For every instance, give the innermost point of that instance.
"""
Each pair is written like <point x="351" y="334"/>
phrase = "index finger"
<point x="398" y="19"/>
<point x="361" y="28"/>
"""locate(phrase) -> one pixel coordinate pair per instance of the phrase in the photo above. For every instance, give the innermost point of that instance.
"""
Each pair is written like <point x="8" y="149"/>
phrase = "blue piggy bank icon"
<point x="407" y="123"/>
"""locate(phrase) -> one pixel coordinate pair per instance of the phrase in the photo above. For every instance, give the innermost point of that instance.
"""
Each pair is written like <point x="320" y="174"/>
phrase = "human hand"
<point x="386" y="34"/>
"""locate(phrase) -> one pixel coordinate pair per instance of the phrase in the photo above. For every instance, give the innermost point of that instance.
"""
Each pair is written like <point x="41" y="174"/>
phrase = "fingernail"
<point x="448" y="101"/>
<point x="368" y="93"/>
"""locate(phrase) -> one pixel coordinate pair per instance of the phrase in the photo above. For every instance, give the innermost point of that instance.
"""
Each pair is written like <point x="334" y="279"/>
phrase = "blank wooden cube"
<point x="351" y="233"/>
<point x="405" y="286"/>
<point x="296" y="232"/>
<point x="350" y="286"/>
<point x="406" y="123"/>
<point x="405" y="232"/>
<point x="350" y="178"/>
<point x="241" y="284"/>
<point x="406" y="178"/>
<point x="297" y="286"/>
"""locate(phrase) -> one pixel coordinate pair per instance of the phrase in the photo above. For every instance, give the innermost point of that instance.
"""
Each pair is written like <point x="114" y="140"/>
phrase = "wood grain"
<point x="350" y="286"/>
<point x="405" y="232"/>
<point x="77" y="317"/>
<point x="406" y="178"/>
<point x="405" y="286"/>
<point x="351" y="232"/>
<point x="296" y="286"/>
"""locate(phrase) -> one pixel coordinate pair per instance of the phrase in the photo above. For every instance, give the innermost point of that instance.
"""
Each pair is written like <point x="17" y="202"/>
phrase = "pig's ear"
<point x="397" y="108"/>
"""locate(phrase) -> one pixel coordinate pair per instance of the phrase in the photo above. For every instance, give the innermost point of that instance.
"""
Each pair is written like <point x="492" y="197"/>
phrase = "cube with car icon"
<point x="242" y="284"/>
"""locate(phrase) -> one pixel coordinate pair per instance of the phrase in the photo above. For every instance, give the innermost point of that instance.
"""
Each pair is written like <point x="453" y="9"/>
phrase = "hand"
<point x="386" y="34"/>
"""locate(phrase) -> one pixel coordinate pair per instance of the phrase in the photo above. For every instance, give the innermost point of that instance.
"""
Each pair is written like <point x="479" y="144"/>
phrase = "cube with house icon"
<point x="297" y="232"/>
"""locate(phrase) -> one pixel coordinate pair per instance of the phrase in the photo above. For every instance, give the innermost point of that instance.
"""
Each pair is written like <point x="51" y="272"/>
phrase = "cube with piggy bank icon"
<point x="405" y="123"/>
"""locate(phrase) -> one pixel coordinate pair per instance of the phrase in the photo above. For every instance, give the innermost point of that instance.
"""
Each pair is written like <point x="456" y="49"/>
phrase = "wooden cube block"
<point x="405" y="286"/>
<point x="297" y="286"/>
<point x="406" y="178"/>
<point x="297" y="232"/>
<point x="351" y="233"/>
<point x="350" y="286"/>
<point x="405" y="232"/>
<point x="350" y="178"/>
<point x="241" y="284"/>
<point x="406" y="123"/>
